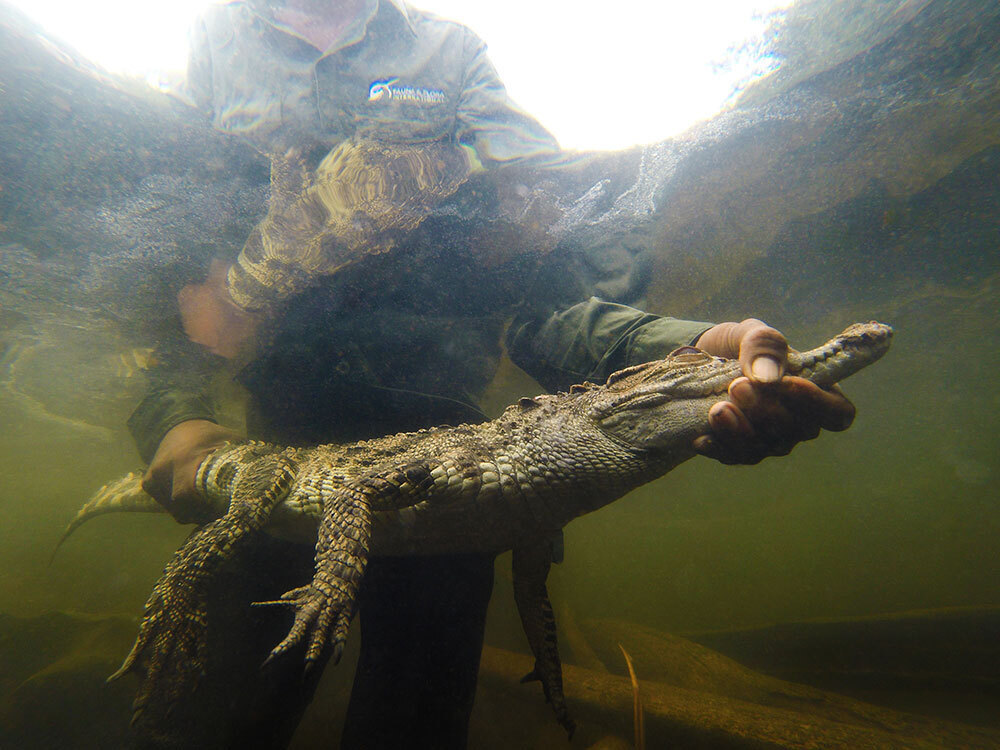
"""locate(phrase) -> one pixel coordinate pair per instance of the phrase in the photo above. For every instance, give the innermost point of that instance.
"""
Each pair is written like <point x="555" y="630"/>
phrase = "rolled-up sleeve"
<point x="593" y="339"/>
<point x="179" y="385"/>
<point x="160" y="411"/>
<point x="491" y="123"/>
<point x="197" y="87"/>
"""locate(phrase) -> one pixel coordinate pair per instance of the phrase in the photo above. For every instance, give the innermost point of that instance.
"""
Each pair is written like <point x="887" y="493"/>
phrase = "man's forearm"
<point x="160" y="411"/>
<point x="592" y="339"/>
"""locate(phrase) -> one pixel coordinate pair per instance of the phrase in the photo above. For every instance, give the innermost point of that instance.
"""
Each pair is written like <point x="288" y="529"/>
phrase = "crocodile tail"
<point x="124" y="495"/>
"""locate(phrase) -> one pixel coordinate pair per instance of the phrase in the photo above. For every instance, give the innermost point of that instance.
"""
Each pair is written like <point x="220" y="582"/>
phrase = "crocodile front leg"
<point x="172" y="640"/>
<point x="531" y="567"/>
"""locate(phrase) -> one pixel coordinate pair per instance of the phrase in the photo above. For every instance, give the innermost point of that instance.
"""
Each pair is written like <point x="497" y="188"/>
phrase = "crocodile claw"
<point x="320" y="617"/>
<point x="552" y="687"/>
<point x="172" y="643"/>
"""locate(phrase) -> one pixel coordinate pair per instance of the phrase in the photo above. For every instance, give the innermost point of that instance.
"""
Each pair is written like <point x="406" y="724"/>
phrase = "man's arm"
<point x="170" y="477"/>
<point x="489" y="121"/>
<point x="767" y="413"/>
<point x="174" y="425"/>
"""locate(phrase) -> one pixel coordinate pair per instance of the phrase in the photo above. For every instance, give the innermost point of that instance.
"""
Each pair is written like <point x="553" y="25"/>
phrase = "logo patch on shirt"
<point x="385" y="88"/>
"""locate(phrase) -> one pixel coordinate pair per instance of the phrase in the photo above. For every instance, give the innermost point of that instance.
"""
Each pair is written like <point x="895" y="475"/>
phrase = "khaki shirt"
<point x="398" y="74"/>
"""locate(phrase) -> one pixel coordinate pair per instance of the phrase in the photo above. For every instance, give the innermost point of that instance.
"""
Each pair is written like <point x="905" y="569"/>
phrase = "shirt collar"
<point x="400" y="6"/>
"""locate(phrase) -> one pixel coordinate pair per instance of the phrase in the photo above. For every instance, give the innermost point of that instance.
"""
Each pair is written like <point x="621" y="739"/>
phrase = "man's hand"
<point x="171" y="474"/>
<point x="767" y="412"/>
<point x="211" y="318"/>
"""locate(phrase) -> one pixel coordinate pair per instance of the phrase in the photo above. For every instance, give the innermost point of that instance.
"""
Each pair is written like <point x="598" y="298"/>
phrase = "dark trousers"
<point x="422" y="621"/>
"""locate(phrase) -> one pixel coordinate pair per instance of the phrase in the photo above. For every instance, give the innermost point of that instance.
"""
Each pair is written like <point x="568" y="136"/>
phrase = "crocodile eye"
<point x="689" y="355"/>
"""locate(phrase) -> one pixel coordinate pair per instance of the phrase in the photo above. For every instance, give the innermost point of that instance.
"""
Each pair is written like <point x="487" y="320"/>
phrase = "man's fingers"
<point x="763" y="351"/>
<point x="795" y="407"/>
<point x="767" y="413"/>
<point x="761" y="420"/>
<point x="725" y="418"/>
<point x="830" y="409"/>
<point x="734" y="439"/>
<point x="158" y="483"/>
<point x="171" y="487"/>
<point x="725" y="450"/>
<point x="774" y="419"/>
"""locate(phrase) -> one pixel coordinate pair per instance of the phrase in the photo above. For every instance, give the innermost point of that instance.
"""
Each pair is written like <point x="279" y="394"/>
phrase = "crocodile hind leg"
<point x="531" y="568"/>
<point x="324" y="607"/>
<point x="172" y="636"/>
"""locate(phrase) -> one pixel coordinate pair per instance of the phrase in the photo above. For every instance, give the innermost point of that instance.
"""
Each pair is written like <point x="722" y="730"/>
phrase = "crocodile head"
<point x="663" y="405"/>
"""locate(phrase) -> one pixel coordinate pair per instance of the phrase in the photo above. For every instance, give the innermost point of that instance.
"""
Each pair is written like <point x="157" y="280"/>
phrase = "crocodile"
<point x="507" y="484"/>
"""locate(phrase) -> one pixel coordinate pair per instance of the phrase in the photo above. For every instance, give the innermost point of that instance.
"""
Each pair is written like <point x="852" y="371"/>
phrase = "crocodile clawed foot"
<point x="324" y="608"/>
<point x="322" y="614"/>
<point x="552" y="687"/>
<point x="171" y="647"/>
<point x="531" y="562"/>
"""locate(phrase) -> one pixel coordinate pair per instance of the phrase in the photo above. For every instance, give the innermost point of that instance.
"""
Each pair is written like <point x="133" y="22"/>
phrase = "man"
<point x="386" y="344"/>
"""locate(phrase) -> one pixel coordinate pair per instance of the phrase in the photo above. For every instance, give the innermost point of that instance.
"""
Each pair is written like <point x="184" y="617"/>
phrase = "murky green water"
<point x="879" y="199"/>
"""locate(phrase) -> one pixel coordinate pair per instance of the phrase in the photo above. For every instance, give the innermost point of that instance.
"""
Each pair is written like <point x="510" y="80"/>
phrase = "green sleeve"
<point x="178" y="391"/>
<point x="161" y="410"/>
<point x="593" y="339"/>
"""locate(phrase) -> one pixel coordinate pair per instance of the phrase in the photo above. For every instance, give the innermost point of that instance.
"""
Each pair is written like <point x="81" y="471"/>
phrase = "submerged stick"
<point x="637" y="719"/>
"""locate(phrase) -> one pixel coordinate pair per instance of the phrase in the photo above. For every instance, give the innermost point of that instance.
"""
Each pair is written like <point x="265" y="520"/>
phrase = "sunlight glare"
<point x="598" y="75"/>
